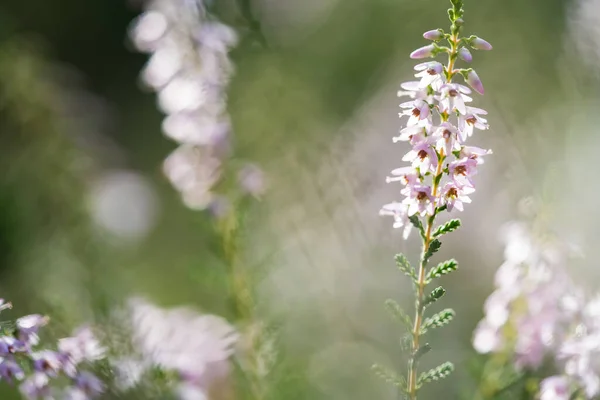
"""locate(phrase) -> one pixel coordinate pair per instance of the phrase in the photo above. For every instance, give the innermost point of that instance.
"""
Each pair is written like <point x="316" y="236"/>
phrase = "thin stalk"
<point x="242" y="299"/>
<point x="421" y="283"/>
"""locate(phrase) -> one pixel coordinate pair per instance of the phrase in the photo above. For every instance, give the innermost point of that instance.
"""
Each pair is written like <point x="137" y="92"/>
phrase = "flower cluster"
<point x="20" y="360"/>
<point x="578" y="355"/>
<point x="536" y="313"/>
<point x="439" y="122"/>
<point x="528" y="285"/>
<point x="196" y="348"/>
<point x="190" y="70"/>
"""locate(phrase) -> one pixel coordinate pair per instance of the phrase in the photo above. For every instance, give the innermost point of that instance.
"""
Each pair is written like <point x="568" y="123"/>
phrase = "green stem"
<point x="242" y="299"/>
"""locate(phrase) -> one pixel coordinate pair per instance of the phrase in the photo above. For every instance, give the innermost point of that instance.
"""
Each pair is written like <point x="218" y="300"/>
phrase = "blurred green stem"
<point x="242" y="298"/>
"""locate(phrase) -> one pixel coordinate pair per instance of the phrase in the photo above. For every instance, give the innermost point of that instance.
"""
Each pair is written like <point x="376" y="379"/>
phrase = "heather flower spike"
<point x="438" y="179"/>
<point x="190" y="69"/>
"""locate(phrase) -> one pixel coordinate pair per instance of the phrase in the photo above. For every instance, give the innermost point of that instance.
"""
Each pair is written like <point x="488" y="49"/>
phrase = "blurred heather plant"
<point x="540" y="330"/>
<point x="173" y="353"/>
<point x="439" y="179"/>
<point x="48" y="373"/>
<point x="190" y="70"/>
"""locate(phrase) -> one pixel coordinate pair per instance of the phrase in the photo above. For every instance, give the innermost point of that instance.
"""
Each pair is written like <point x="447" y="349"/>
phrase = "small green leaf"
<point x="434" y="246"/>
<point x="389" y="376"/>
<point x="448" y="227"/>
<point x="421" y="351"/>
<point x="404" y="266"/>
<point x="436" y="373"/>
<point x="397" y="312"/>
<point x="441" y="269"/>
<point x="414" y="219"/>
<point x="440" y="209"/>
<point x="438" y="320"/>
<point x="434" y="296"/>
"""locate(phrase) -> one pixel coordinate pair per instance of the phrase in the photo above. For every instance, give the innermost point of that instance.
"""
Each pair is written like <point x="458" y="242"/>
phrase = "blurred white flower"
<point x="124" y="204"/>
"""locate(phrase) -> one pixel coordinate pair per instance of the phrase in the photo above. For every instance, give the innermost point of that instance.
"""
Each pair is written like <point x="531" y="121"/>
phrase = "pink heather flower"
<point x="453" y="96"/>
<point x="462" y="170"/>
<point x="474" y="81"/>
<point x="405" y="175"/>
<point x="454" y="196"/>
<point x="399" y="212"/>
<point x="423" y="52"/>
<point x="10" y="345"/>
<point x="87" y="384"/>
<point x="471" y="120"/>
<point x="83" y="346"/>
<point x="532" y="341"/>
<point x="413" y="134"/>
<point x="465" y="54"/>
<point x="486" y="339"/>
<point x="555" y="388"/>
<point x="419" y="200"/>
<point x="447" y="134"/>
<point x="480" y="44"/>
<point x="474" y="153"/>
<point x="252" y="180"/>
<point x="431" y="74"/>
<point x="413" y="90"/>
<point x="434" y="35"/>
<point x="10" y="370"/>
<point x="181" y="340"/>
<point x="422" y="156"/>
<point x="36" y="386"/>
<point x="190" y="128"/>
<point x="497" y="307"/>
<point x="48" y="362"/>
<point x="28" y="327"/>
<point x="217" y="37"/>
<point x="148" y="29"/>
<point x="417" y="111"/>
<point x="4" y="305"/>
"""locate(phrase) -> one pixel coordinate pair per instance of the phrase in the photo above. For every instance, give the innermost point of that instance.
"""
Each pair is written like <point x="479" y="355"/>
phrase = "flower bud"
<point x="479" y="44"/>
<point x="474" y="81"/>
<point x="465" y="54"/>
<point x="423" y="52"/>
<point x="459" y="22"/>
<point x="435" y="34"/>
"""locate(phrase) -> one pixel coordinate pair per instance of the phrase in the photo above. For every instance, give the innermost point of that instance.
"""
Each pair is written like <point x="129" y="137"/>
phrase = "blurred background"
<point x="87" y="218"/>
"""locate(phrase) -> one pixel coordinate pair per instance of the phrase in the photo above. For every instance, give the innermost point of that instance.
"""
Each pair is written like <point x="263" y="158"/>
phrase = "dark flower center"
<point x="416" y="112"/>
<point x="461" y="170"/>
<point x="447" y="134"/>
<point x="452" y="192"/>
<point x="422" y="154"/>
<point x="422" y="196"/>
<point x="432" y="71"/>
<point x="453" y="92"/>
<point x="471" y="120"/>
